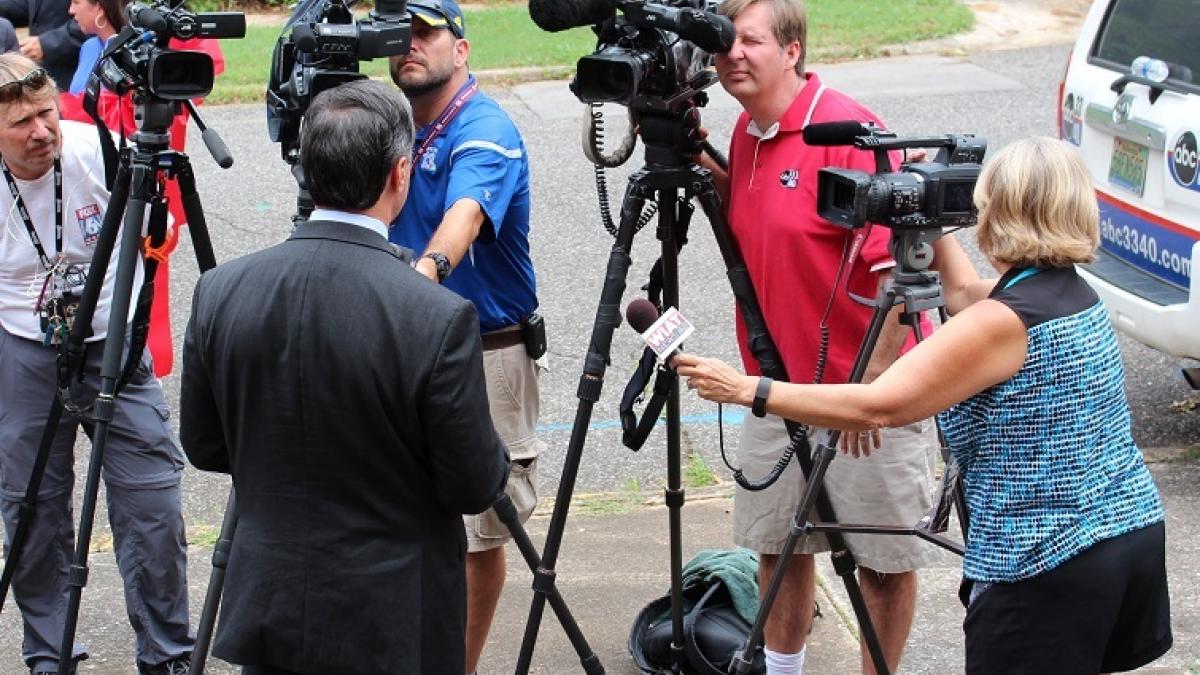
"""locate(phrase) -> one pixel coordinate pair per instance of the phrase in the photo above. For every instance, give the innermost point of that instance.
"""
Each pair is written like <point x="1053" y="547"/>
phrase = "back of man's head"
<point x="353" y="136"/>
<point x="23" y="80"/>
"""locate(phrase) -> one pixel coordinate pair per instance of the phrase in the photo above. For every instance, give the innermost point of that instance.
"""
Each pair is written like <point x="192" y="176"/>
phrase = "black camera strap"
<point x="91" y="100"/>
<point x="438" y="127"/>
<point x="58" y="212"/>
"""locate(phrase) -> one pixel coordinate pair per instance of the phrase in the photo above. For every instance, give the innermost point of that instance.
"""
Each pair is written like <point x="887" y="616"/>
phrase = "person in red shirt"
<point x="806" y="272"/>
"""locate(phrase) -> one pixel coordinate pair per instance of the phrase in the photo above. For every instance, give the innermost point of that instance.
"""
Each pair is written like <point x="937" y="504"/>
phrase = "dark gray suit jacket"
<point x="345" y="393"/>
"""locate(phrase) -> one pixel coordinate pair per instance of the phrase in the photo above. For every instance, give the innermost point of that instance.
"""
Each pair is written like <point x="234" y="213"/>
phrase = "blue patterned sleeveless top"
<point x="1048" y="459"/>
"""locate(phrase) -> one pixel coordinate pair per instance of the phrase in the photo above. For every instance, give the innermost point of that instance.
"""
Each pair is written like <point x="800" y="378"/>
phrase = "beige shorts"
<point x="512" y="389"/>
<point x="894" y="486"/>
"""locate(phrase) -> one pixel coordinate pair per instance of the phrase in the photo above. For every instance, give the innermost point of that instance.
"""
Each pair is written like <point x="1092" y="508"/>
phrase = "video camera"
<point x="921" y="195"/>
<point x="319" y="49"/>
<point x="138" y="59"/>
<point x="654" y="52"/>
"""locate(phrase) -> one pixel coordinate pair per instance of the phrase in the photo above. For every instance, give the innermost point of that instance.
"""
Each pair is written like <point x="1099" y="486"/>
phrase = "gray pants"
<point x="141" y="469"/>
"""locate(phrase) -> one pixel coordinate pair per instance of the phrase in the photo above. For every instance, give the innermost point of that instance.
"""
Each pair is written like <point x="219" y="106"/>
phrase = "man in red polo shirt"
<point x="804" y="270"/>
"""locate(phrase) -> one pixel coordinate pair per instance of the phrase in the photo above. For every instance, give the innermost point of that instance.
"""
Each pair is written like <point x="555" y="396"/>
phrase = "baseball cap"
<point x="440" y="14"/>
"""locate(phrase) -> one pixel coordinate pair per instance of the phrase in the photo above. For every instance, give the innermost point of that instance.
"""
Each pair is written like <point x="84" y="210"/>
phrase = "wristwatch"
<point x="759" y="408"/>
<point x="442" y="263"/>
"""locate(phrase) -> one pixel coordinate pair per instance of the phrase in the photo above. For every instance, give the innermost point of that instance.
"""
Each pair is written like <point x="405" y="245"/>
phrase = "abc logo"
<point x="1184" y="159"/>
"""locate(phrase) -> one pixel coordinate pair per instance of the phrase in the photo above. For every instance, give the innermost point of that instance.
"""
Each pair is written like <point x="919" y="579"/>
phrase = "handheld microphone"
<point x="836" y="133"/>
<point x="557" y="15"/>
<point x="662" y="334"/>
<point x="641" y="314"/>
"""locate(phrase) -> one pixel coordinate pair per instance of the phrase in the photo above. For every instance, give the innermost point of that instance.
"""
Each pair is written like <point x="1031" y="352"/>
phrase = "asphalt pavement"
<point x="615" y="553"/>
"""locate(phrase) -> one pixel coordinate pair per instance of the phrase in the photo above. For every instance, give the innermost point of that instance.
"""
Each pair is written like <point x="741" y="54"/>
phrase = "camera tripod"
<point x="917" y="290"/>
<point x="670" y="180"/>
<point x="136" y="188"/>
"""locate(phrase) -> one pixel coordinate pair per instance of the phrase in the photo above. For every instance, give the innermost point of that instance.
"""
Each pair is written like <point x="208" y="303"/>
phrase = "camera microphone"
<point x="149" y="18"/>
<point x="836" y="133"/>
<point x="556" y="15"/>
<point x="662" y="334"/>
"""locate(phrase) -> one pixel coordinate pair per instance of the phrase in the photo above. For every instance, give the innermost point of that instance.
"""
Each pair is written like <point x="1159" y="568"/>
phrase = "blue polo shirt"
<point x="480" y="155"/>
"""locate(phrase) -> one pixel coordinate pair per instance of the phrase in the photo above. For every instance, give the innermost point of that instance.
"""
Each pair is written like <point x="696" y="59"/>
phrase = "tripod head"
<point x="669" y="125"/>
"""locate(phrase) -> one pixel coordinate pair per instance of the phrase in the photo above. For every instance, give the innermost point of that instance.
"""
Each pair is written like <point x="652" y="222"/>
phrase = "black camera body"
<point x="652" y="52"/>
<point x="320" y="48"/>
<point x="921" y="195"/>
<point x="139" y="60"/>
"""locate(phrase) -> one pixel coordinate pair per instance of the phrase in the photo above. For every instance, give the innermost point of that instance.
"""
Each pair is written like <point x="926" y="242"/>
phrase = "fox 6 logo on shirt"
<point x="1184" y="159"/>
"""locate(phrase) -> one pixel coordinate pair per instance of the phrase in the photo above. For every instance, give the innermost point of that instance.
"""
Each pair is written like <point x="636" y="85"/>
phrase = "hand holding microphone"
<point x="713" y="379"/>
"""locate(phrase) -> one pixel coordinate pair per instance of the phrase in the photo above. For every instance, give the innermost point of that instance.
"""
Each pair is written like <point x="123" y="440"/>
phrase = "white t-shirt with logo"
<point x="85" y="200"/>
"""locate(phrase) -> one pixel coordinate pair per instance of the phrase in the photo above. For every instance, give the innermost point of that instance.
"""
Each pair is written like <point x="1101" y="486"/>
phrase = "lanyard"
<point x="448" y="114"/>
<point x="58" y="211"/>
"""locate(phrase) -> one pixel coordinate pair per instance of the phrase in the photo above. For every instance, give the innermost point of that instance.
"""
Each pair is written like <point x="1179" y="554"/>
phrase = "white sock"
<point x="785" y="664"/>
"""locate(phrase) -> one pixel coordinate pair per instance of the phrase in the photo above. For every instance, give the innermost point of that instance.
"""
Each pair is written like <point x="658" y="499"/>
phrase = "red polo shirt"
<point x="793" y="255"/>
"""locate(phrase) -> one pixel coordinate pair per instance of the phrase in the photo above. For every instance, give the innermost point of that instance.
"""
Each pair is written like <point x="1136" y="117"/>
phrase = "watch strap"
<point x="759" y="408"/>
<point x="441" y="262"/>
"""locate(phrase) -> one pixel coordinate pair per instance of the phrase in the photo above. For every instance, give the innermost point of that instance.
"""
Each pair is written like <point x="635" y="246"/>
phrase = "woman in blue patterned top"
<point x="1065" y="565"/>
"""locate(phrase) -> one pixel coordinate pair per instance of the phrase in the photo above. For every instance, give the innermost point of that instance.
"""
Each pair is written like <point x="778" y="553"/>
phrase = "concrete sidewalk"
<point x="610" y="566"/>
<point x="612" y="563"/>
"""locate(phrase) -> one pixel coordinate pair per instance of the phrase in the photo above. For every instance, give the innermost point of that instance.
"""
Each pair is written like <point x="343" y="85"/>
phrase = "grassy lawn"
<point x="503" y="36"/>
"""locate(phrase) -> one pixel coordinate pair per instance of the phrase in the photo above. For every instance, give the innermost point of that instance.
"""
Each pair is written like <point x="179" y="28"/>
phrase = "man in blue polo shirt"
<point x="468" y="217"/>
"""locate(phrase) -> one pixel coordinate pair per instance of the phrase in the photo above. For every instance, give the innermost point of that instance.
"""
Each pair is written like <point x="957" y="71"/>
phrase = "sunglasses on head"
<point x="33" y="81"/>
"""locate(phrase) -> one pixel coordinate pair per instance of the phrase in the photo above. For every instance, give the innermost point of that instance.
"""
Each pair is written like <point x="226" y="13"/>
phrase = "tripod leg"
<point x="70" y="359"/>
<point x="608" y="317"/>
<point x="216" y="583"/>
<point x="673" y="493"/>
<point x="508" y="515"/>
<point x="196" y="223"/>
<point x="110" y="372"/>
<point x="206" y="259"/>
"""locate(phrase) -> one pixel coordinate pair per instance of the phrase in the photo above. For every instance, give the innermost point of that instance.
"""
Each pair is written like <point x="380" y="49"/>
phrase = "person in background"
<point x="54" y="38"/>
<point x="100" y="20"/>
<point x="8" y="37"/>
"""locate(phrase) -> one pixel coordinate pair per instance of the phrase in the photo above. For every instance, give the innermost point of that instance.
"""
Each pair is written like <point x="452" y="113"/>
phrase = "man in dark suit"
<point x="345" y="394"/>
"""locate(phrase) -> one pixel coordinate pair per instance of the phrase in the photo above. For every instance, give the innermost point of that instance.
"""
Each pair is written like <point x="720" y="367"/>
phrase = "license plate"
<point x="1128" y="166"/>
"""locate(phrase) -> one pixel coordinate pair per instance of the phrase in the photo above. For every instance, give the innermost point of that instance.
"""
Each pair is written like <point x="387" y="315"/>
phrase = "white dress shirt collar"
<point x="373" y="224"/>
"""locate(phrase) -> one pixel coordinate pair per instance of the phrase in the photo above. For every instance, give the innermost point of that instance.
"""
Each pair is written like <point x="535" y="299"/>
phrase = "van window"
<point x="1161" y="29"/>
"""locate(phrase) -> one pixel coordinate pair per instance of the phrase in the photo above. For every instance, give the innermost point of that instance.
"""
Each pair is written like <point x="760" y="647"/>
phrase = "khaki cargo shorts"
<point x="512" y="389"/>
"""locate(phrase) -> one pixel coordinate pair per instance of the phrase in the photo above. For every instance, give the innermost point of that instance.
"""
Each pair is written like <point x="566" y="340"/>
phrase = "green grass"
<point x="842" y="29"/>
<point x="697" y="473"/>
<point x="503" y="36"/>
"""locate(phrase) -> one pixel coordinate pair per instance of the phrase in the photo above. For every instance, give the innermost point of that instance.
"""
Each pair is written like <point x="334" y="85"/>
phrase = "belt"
<point x="505" y="337"/>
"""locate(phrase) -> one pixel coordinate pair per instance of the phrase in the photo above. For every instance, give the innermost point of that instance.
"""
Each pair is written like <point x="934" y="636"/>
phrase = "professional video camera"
<point x="638" y="58"/>
<point x="646" y="55"/>
<point x="138" y="59"/>
<point x="921" y="195"/>
<point x="320" y="48"/>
